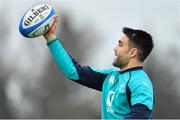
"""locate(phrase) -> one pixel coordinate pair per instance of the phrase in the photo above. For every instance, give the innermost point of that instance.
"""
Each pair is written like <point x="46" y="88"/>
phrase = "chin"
<point x="115" y="64"/>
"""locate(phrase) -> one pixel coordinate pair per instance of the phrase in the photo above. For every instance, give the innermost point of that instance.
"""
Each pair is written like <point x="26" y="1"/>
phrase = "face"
<point x="122" y="53"/>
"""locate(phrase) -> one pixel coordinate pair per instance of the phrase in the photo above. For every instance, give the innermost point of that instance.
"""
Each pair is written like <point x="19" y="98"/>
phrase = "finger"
<point x="55" y="23"/>
<point x="55" y="17"/>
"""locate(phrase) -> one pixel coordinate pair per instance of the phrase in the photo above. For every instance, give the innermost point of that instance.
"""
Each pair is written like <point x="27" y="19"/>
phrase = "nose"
<point x="115" y="49"/>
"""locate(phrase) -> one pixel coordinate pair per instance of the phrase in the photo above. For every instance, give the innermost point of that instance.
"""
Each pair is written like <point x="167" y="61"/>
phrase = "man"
<point x="126" y="93"/>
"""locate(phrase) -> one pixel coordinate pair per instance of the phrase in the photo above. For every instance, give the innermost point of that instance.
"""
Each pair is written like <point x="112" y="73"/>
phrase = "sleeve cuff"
<point x="51" y="41"/>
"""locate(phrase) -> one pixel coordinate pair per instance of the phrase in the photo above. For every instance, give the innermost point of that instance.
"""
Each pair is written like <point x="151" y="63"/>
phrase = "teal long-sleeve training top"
<point x="125" y="94"/>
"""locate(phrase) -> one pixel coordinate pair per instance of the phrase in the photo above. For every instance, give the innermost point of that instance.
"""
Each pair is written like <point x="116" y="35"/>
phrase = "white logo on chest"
<point x="109" y="102"/>
<point x="110" y="98"/>
<point x="112" y="79"/>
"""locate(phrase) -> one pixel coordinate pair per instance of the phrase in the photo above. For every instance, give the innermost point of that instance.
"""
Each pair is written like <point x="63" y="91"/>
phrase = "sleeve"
<point x="141" y="92"/>
<point x="142" y="99"/>
<point x="85" y="75"/>
<point x="139" y="111"/>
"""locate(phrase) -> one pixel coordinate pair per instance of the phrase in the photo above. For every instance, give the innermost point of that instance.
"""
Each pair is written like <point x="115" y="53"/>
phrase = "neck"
<point x="132" y="64"/>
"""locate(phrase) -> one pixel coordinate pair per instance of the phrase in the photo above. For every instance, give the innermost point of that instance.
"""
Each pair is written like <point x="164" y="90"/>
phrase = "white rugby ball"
<point x="36" y="21"/>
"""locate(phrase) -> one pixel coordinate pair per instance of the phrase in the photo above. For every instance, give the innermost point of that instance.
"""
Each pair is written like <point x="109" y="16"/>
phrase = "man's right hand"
<point x="51" y="33"/>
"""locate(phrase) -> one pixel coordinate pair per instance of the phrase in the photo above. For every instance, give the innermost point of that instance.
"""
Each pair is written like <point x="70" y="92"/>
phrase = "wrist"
<point x="51" y="41"/>
<point x="50" y="38"/>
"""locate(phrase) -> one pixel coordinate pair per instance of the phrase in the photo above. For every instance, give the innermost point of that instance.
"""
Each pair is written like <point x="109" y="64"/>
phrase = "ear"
<point x="133" y="52"/>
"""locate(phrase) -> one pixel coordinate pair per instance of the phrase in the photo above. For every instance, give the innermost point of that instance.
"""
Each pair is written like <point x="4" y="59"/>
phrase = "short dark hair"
<point x="141" y="40"/>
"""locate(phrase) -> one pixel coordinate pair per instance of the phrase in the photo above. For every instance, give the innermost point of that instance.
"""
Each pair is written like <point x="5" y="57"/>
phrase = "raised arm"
<point x="84" y="75"/>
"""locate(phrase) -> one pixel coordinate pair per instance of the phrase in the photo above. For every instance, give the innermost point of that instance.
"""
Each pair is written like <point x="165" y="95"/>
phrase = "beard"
<point x="119" y="62"/>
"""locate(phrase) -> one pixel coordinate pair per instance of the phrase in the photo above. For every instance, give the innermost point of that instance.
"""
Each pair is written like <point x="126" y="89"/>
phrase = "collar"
<point x="131" y="69"/>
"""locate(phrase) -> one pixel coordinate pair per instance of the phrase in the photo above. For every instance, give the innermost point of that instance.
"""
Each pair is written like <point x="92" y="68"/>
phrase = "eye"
<point x="120" y="44"/>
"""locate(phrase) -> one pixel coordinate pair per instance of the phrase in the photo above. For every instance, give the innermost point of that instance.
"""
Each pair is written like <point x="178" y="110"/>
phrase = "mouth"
<point x="115" y="58"/>
<point x="115" y="54"/>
